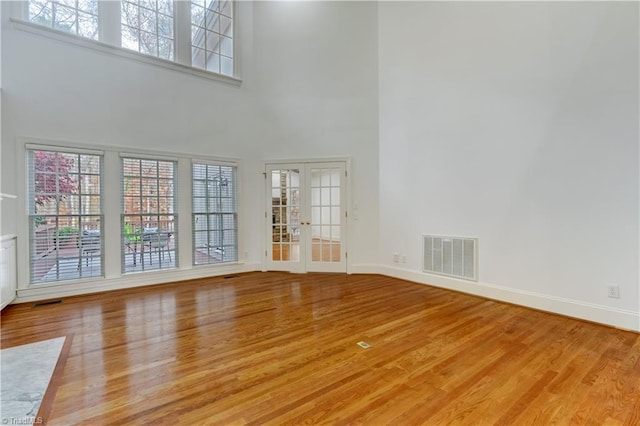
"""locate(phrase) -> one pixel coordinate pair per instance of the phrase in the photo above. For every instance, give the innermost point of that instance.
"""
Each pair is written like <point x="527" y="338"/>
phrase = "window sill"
<point x="218" y="265"/>
<point x="119" y="51"/>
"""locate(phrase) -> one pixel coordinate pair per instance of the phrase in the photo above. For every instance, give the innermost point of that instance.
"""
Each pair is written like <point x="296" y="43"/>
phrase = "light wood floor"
<point x="277" y="348"/>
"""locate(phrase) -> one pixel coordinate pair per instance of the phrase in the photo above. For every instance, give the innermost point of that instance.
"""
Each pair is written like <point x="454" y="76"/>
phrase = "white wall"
<point x="326" y="103"/>
<point x="516" y="123"/>
<point x="1" y="96"/>
<point x="513" y="122"/>
<point x="309" y="90"/>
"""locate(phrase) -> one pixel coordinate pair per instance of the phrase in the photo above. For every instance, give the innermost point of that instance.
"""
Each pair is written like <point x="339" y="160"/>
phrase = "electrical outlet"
<point x="246" y="254"/>
<point x="613" y="291"/>
<point x="404" y="258"/>
<point x="396" y="258"/>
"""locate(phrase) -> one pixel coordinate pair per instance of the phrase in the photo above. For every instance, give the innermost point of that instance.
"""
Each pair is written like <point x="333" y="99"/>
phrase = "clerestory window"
<point x="147" y="26"/>
<point x="196" y="33"/>
<point x="78" y="17"/>
<point x="212" y="35"/>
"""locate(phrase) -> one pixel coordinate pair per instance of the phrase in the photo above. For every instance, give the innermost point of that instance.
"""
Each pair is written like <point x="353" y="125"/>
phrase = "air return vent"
<point x="451" y="256"/>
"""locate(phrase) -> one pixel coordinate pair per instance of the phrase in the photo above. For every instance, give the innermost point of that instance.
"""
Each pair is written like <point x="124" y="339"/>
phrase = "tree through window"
<point x="65" y="215"/>
<point x="212" y="35"/>
<point x="147" y="26"/>
<point x="149" y="219"/>
<point x="73" y="16"/>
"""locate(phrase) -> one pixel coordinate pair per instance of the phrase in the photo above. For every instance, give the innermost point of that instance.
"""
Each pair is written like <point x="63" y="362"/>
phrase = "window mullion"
<point x="109" y="23"/>
<point x="184" y="209"/>
<point x="112" y="226"/>
<point x="182" y="31"/>
<point x="111" y="27"/>
<point x="18" y="9"/>
<point x="59" y="248"/>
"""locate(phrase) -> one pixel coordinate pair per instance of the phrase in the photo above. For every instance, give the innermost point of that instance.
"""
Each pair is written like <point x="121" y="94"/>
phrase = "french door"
<point x="306" y="217"/>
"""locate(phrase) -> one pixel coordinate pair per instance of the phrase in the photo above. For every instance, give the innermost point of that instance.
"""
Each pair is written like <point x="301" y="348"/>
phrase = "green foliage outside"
<point x="66" y="234"/>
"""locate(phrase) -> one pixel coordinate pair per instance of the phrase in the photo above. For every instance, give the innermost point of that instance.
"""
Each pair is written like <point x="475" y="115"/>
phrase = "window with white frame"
<point x="212" y="35"/>
<point x="150" y="27"/>
<point x="147" y="26"/>
<point x="78" y="17"/>
<point x="149" y="217"/>
<point x="215" y="215"/>
<point x="70" y="224"/>
<point x="65" y="215"/>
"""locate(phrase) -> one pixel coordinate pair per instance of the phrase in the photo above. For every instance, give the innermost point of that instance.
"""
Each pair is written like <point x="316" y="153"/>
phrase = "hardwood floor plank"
<point x="516" y="410"/>
<point x="278" y="348"/>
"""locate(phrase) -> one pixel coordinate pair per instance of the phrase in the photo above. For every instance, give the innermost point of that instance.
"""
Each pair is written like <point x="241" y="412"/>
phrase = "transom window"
<point x="147" y="26"/>
<point x="212" y="35"/>
<point x="149" y="219"/>
<point x="78" y="17"/>
<point x="65" y="215"/>
<point x="215" y="216"/>
<point x="150" y="27"/>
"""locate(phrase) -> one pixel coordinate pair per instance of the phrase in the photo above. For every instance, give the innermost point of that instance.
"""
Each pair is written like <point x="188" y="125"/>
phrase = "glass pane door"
<point x="284" y="204"/>
<point x="306" y="217"/>
<point x="327" y="217"/>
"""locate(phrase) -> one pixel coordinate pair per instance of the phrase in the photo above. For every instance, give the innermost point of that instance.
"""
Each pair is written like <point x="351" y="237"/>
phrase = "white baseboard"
<point x="365" y="268"/>
<point x="6" y="303"/>
<point x="620" y="318"/>
<point x="75" y="288"/>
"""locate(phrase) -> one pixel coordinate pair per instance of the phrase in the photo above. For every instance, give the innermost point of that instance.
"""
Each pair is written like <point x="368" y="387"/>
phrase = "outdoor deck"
<point x="71" y="262"/>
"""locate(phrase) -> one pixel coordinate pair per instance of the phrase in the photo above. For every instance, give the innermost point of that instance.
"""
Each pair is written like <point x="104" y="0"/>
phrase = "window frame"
<point x="77" y="11"/>
<point x="140" y="29"/>
<point x="83" y="234"/>
<point x="109" y="39"/>
<point x="146" y="235"/>
<point x="207" y="212"/>
<point x="207" y="31"/>
<point x="112" y="226"/>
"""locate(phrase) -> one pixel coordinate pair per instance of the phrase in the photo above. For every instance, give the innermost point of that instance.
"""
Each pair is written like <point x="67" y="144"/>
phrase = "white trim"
<point x="109" y="11"/>
<point x="60" y="148"/>
<point x="308" y="160"/>
<point x="101" y="47"/>
<point x="9" y="282"/>
<point x="112" y="172"/>
<point x="142" y="156"/>
<point x="49" y="144"/>
<point x="210" y="162"/>
<point x="112" y="197"/>
<point x="185" y="209"/>
<point x="18" y="9"/>
<point x="182" y="32"/>
<point x="189" y="201"/>
<point x="303" y="265"/>
<point x="620" y="318"/>
<point x="293" y="266"/>
<point x="74" y="288"/>
<point x="365" y="268"/>
<point x="237" y="38"/>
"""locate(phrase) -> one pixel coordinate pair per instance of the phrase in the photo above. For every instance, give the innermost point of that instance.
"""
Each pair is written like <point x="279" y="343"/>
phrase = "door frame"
<point x="266" y="220"/>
